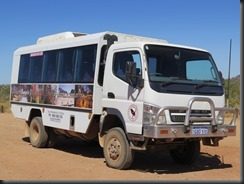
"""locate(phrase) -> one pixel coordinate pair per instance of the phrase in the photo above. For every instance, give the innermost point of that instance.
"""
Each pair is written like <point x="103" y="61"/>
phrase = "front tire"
<point x="38" y="134"/>
<point x="186" y="154"/>
<point x="117" y="151"/>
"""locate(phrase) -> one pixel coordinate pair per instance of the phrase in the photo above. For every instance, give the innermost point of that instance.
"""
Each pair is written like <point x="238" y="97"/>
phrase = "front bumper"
<point x="177" y="131"/>
<point x="190" y="130"/>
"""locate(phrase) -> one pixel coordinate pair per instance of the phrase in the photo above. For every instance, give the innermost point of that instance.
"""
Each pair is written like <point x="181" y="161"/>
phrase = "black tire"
<point x="186" y="154"/>
<point x="117" y="151"/>
<point x="52" y="137"/>
<point x="38" y="133"/>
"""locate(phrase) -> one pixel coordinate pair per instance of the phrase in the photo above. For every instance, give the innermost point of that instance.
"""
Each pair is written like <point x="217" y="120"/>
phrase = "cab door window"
<point x="120" y="60"/>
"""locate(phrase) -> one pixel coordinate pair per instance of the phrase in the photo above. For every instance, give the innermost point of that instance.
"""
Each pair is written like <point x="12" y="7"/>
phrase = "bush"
<point x="234" y="92"/>
<point x="4" y="98"/>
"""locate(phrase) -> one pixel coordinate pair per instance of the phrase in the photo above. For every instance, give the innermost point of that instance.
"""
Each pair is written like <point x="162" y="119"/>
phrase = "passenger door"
<point x="120" y="98"/>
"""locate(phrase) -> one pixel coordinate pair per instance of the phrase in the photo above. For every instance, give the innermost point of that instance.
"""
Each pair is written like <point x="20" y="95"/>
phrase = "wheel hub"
<point x="114" y="149"/>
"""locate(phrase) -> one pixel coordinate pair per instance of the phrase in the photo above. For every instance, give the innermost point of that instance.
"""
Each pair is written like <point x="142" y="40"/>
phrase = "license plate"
<point x="199" y="130"/>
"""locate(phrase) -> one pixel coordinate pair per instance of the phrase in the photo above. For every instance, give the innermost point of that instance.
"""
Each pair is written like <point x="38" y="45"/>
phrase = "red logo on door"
<point x="132" y="112"/>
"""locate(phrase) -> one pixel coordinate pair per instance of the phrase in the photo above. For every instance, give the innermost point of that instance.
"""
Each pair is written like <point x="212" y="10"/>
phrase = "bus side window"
<point x="86" y="57"/>
<point x="87" y="72"/>
<point x="66" y="60"/>
<point x="24" y="68"/>
<point x="36" y="63"/>
<point x="50" y="66"/>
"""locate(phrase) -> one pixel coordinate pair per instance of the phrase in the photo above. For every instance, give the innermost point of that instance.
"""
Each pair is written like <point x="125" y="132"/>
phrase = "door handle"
<point x="111" y="95"/>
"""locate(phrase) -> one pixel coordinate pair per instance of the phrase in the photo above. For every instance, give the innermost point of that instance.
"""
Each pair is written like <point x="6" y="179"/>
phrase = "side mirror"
<point x="131" y="76"/>
<point x="221" y="77"/>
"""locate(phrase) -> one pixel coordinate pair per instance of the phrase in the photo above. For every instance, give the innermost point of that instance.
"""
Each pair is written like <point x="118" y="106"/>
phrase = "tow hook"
<point x="214" y="128"/>
<point x="186" y="129"/>
<point x="174" y="131"/>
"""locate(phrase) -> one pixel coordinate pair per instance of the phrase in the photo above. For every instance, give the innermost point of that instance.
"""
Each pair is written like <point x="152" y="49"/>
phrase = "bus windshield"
<point x="173" y="65"/>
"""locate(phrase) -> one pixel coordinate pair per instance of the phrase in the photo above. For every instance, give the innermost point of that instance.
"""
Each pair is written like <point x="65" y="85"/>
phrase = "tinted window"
<point x="67" y="65"/>
<point x="50" y="66"/>
<point x="85" y="67"/>
<point x="120" y="60"/>
<point x="36" y="62"/>
<point x="24" y="68"/>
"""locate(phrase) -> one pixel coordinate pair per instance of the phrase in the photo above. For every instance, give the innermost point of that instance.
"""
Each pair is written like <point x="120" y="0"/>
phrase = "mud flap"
<point x="211" y="141"/>
<point x="101" y="139"/>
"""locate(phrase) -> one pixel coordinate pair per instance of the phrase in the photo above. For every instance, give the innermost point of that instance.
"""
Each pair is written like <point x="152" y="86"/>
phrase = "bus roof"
<point x="76" y="38"/>
<point x="67" y="35"/>
<point x="58" y="37"/>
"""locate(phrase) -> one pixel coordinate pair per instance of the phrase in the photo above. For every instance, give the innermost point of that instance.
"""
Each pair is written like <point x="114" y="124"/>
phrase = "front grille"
<point x="179" y="116"/>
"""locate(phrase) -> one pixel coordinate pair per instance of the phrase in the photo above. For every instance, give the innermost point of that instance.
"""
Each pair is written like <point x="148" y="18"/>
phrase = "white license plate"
<point x="199" y="130"/>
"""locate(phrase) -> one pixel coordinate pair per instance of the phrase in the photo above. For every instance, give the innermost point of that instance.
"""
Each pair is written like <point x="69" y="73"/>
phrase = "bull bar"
<point x="186" y="130"/>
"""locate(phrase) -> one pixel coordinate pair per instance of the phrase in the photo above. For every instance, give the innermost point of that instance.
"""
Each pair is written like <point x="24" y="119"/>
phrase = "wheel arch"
<point x="112" y="119"/>
<point x="34" y="113"/>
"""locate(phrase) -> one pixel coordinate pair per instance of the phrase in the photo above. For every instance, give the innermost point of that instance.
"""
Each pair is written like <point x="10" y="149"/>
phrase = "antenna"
<point x="228" y="89"/>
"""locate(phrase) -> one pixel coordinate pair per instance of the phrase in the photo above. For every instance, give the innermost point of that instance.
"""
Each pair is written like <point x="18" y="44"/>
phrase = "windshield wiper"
<point x="167" y="83"/>
<point x="164" y="84"/>
<point x="206" y="83"/>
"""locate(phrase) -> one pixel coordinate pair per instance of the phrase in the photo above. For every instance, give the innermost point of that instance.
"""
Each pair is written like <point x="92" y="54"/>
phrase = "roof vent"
<point x="59" y="37"/>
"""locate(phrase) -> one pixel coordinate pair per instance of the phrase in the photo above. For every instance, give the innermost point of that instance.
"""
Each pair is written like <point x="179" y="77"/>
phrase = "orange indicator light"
<point x="231" y="130"/>
<point x="164" y="131"/>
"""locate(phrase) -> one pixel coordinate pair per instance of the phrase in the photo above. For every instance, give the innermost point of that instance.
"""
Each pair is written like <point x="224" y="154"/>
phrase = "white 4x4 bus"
<point x="128" y="92"/>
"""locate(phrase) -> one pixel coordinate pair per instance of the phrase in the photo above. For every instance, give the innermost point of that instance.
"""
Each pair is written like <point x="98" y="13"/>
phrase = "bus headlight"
<point x="149" y="115"/>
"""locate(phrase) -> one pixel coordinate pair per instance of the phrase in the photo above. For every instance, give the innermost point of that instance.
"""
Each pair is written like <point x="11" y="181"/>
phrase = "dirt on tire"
<point x="73" y="159"/>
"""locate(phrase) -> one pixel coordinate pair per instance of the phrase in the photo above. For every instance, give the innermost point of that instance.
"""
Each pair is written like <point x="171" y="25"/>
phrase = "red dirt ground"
<point x="72" y="159"/>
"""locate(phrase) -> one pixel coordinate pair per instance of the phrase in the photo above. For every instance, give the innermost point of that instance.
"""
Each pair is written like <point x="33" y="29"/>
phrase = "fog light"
<point x="161" y="120"/>
<point x="220" y="118"/>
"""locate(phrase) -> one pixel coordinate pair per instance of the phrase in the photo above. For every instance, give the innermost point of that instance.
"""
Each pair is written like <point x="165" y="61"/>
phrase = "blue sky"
<point x="207" y="24"/>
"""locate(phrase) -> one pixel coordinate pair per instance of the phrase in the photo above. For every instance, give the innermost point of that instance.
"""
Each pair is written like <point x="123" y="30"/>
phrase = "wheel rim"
<point x="114" y="149"/>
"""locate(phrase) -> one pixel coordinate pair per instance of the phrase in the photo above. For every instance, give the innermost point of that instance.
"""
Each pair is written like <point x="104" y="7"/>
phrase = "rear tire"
<point x="38" y="133"/>
<point x="117" y="151"/>
<point x="186" y="154"/>
<point x="52" y="137"/>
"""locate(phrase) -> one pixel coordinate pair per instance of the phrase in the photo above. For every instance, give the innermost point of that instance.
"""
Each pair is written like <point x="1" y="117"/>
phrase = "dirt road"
<point x="72" y="159"/>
